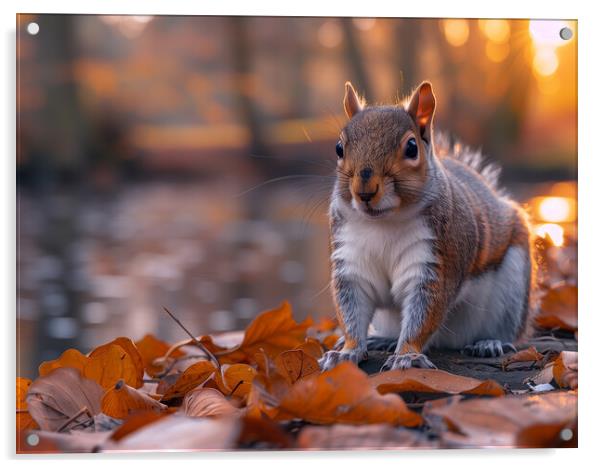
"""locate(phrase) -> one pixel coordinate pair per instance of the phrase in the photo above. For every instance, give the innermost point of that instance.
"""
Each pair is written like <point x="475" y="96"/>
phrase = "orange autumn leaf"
<point x="130" y="348"/>
<point x="136" y="421"/>
<point x="106" y="364"/>
<point x="274" y="331"/>
<point x="206" y="402"/>
<point x="70" y="358"/>
<point x="121" y="400"/>
<point x="151" y="348"/>
<point x="326" y="324"/>
<point x="330" y="341"/>
<point x="24" y="419"/>
<point x="432" y="381"/>
<point x="312" y="347"/>
<point x="296" y="364"/>
<point x="500" y="422"/>
<point x="111" y="363"/>
<point x="191" y="378"/>
<point x="565" y="369"/>
<point x="524" y="355"/>
<point x="559" y="308"/>
<point x="343" y="395"/>
<point x="235" y="379"/>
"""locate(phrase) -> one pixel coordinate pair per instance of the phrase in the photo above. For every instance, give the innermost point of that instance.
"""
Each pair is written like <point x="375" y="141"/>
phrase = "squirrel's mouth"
<point x="375" y="212"/>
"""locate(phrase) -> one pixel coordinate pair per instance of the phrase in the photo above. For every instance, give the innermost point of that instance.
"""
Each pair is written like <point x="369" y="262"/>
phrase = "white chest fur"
<point x="386" y="256"/>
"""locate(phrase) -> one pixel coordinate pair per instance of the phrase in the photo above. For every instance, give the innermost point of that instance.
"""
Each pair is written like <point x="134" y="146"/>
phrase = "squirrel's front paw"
<point x="405" y="361"/>
<point x="332" y="358"/>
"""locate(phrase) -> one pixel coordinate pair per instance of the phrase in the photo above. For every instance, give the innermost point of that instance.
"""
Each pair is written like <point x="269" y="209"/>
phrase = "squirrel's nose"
<point x="365" y="174"/>
<point x="366" y="196"/>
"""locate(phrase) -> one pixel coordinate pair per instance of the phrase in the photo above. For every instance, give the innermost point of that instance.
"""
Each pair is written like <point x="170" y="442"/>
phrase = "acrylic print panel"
<point x="276" y="233"/>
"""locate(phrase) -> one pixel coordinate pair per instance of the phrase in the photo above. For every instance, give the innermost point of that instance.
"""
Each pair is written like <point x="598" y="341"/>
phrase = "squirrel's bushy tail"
<point x="447" y="146"/>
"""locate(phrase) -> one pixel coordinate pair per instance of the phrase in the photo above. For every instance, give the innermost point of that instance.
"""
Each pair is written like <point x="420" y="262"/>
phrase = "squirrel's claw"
<point x="488" y="348"/>
<point x="405" y="361"/>
<point x="331" y="358"/>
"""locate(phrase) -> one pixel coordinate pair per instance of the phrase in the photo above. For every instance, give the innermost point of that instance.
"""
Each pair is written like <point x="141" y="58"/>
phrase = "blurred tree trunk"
<point x="360" y="79"/>
<point x="243" y="78"/>
<point x="58" y="181"/>
<point x="407" y="33"/>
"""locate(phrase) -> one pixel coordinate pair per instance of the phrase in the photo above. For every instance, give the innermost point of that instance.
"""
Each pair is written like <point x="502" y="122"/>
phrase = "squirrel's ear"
<point x="352" y="103"/>
<point x="421" y="107"/>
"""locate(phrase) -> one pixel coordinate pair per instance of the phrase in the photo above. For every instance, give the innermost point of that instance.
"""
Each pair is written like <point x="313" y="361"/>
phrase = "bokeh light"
<point x="497" y="30"/>
<point x="552" y="231"/>
<point x="330" y="34"/>
<point x="456" y="31"/>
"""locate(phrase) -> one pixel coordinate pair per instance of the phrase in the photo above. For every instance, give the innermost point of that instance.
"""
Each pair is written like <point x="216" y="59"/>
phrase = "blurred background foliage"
<point x="186" y="161"/>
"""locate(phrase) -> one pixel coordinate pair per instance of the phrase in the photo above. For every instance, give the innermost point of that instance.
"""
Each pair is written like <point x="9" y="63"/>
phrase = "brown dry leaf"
<point x="565" y="369"/>
<point x="559" y="308"/>
<point x="525" y="355"/>
<point x="110" y="363"/>
<point x="60" y="395"/>
<point x="191" y="378"/>
<point x="264" y="431"/>
<point x="130" y="348"/>
<point x="235" y="379"/>
<point x="70" y="358"/>
<point x="343" y="395"/>
<point x="330" y="341"/>
<point x="370" y="436"/>
<point x="273" y="331"/>
<point x="136" y="421"/>
<point x="312" y="347"/>
<point x="122" y="400"/>
<point x="205" y="402"/>
<point x="24" y="419"/>
<point x="498" y="422"/>
<point x="151" y="348"/>
<point x="432" y="381"/>
<point x="296" y="364"/>
<point x="326" y="324"/>
<point x="177" y="432"/>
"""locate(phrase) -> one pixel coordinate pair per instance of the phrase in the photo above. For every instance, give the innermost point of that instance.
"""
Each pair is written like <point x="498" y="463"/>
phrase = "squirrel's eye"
<point x="339" y="149"/>
<point x="411" y="151"/>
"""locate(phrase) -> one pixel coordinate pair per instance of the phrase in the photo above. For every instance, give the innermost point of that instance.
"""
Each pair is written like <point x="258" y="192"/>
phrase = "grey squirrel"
<point x="426" y="250"/>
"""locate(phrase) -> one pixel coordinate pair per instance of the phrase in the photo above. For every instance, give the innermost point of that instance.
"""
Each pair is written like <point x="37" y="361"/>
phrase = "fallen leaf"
<point x="121" y="400"/>
<point x="135" y="357"/>
<point x="111" y="363"/>
<point x="274" y="331"/>
<point x="235" y="379"/>
<point x="296" y="364"/>
<point x="60" y="396"/>
<point x="330" y="341"/>
<point x="343" y="394"/>
<point x="565" y="369"/>
<point x="432" y="381"/>
<point x="177" y="432"/>
<point x="312" y="347"/>
<point x="325" y="324"/>
<point x="498" y="422"/>
<point x="136" y="421"/>
<point x="24" y="419"/>
<point x="368" y="437"/>
<point x="525" y="355"/>
<point x="151" y="348"/>
<point x="263" y="433"/>
<point x="205" y="402"/>
<point x="191" y="378"/>
<point x="559" y="308"/>
<point x="70" y="358"/>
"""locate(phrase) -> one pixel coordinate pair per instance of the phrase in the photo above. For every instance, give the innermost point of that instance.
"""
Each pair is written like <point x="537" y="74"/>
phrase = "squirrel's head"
<point x="383" y="152"/>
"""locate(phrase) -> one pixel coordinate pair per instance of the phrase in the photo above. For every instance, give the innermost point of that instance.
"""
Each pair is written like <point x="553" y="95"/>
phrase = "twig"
<point x="84" y="410"/>
<point x="240" y="382"/>
<point x="200" y="345"/>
